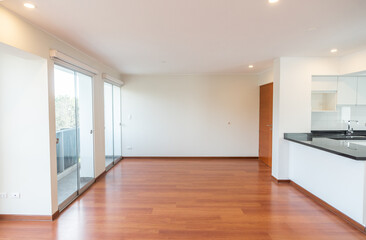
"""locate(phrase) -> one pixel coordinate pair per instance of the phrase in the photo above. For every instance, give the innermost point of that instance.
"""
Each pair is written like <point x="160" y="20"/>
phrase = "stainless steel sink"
<point x="345" y="137"/>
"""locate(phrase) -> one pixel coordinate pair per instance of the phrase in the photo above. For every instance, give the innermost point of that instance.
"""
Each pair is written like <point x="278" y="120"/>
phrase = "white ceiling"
<point x="200" y="36"/>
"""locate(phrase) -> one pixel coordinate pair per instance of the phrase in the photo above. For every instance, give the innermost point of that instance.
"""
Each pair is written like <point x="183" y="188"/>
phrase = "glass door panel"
<point x="108" y="123"/>
<point x="112" y="121"/>
<point x="84" y="103"/>
<point x="67" y="155"/>
<point x="74" y="133"/>
<point x="117" y="135"/>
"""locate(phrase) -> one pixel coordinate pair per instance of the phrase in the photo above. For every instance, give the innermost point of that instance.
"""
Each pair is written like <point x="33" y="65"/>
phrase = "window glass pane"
<point x="108" y="123"/>
<point x="117" y="122"/>
<point x="65" y="133"/>
<point x="84" y="97"/>
<point x="74" y="125"/>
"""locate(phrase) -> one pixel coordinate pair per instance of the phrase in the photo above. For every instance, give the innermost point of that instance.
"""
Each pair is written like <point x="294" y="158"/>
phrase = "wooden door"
<point x="265" y="124"/>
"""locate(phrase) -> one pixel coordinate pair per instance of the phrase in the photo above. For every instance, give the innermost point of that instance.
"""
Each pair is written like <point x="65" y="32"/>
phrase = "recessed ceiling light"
<point x="250" y="66"/>
<point x="272" y="1"/>
<point x="334" y="50"/>
<point x="29" y="5"/>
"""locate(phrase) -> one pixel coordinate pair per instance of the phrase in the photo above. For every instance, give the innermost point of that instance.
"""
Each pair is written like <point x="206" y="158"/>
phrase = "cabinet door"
<point x="347" y="91"/>
<point x="361" y="91"/>
<point x="324" y="84"/>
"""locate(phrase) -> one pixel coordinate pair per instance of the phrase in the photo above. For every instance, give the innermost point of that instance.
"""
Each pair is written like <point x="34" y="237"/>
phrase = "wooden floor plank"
<point x="188" y="199"/>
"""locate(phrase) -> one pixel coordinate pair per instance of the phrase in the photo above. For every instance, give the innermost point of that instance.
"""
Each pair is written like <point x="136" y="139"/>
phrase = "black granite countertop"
<point x="334" y="142"/>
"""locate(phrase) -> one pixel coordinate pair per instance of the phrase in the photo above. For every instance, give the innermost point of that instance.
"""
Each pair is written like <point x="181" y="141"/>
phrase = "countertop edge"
<point x="327" y="150"/>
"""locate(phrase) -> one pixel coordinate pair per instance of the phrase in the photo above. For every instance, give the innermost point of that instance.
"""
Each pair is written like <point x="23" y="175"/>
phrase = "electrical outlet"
<point x="15" y="195"/>
<point x="129" y="148"/>
<point x="3" y="195"/>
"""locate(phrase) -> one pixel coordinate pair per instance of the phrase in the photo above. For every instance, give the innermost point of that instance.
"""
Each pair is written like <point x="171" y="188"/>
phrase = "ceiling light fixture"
<point x="272" y="1"/>
<point x="250" y="66"/>
<point x="334" y="50"/>
<point x="29" y="5"/>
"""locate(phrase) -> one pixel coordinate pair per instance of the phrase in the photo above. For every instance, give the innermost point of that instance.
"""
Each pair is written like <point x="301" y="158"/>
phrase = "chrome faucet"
<point x="349" y="129"/>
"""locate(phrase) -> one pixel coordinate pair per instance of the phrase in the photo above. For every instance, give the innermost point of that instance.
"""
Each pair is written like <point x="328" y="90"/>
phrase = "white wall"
<point x="292" y="102"/>
<point x="188" y="115"/>
<point x="24" y="133"/>
<point x="19" y="33"/>
<point x="266" y="77"/>
<point x="277" y="165"/>
<point x="353" y="63"/>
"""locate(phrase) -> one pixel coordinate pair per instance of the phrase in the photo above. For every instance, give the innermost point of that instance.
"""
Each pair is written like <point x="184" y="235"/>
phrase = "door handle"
<point x="91" y="131"/>
<point x="270" y="125"/>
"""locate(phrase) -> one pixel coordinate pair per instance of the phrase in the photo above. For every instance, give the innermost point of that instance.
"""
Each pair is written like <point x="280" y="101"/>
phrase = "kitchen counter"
<point x="353" y="148"/>
<point x="332" y="170"/>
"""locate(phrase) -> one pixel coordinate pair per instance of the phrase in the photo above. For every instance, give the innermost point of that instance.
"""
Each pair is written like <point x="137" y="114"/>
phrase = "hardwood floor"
<point x="188" y="199"/>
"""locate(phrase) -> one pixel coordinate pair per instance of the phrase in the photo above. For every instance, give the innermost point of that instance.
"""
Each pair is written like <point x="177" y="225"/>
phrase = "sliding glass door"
<point x="117" y="125"/>
<point x="108" y="124"/>
<point x="112" y="121"/>
<point x="74" y="133"/>
<point x="84" y="100"/>
<point x="67" y="157"/>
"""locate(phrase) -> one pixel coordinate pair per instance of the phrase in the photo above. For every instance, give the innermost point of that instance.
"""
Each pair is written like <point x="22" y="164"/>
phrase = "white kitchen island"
<point x="337" y="180"/>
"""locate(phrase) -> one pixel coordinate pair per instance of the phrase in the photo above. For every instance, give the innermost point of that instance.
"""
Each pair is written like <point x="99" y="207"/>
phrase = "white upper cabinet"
<point x="361" y="91"/>
<point x="324" y="93"/>
<point x="347" y="91"/>
<point x="324" y="84"/>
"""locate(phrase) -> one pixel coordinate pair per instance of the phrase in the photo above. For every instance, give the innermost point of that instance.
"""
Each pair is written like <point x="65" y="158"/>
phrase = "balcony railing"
<point x="67" y="148"/>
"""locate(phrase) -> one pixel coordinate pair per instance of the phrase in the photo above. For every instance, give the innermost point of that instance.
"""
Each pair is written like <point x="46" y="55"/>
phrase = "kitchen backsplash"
<point x="338" y="120"/>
